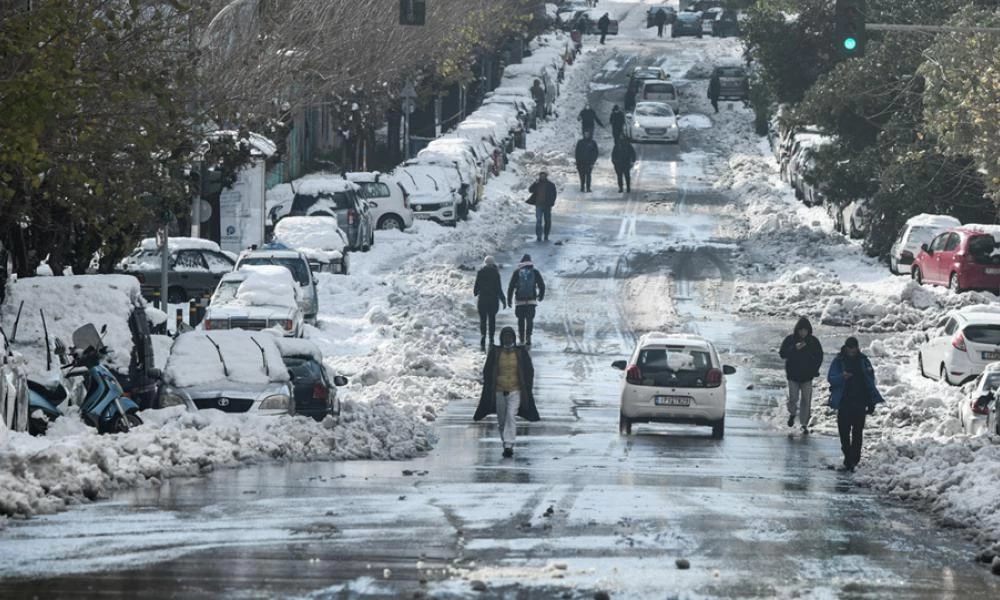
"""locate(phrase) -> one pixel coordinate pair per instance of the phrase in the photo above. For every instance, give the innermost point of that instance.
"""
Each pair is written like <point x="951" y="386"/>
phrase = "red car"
<point x="962" y="258"/>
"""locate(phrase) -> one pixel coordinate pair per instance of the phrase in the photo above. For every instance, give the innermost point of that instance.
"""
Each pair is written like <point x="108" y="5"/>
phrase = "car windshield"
<point x="226" y="292"/>
<point x="731" y="72"/>
<point x="983" y="334"/>
<point x="303" y="202"/>
<point x="659" y="88"/>
<point x="654" y="110"/>
<point x="374" y="189"/>
<point x="921" y="234"/>
<point x="298" y="267"/>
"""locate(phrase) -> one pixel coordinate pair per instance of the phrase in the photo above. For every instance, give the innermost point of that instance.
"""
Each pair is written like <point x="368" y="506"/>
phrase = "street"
<point x="579" y="509"/>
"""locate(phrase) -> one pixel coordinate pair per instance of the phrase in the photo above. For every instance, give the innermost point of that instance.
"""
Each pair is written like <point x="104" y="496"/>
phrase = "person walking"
<point x="660" y="19"/>
<point x="623" y="157"/>
<point x="508" y="380"/>
<point x="803" y="356"/>
<point x="602" y="25"/>
<point x="543" y="196"/>
<point x="586" y="156"/>
<point x="617" y="122"/>
<point x="538" y="95"/>
<point x="489" y="291"/>
<point x="853" y="394"/>
<point x="714" y="89"/>
<point x="527" y="289"/>
<point x="587" y="118"/>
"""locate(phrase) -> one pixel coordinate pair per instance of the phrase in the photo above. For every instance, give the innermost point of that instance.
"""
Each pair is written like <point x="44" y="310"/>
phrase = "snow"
<point x="264" y="285"/>
<point x="319" y="238"/>
<point x="260" y="145"/>
<point x="194" y="361"/>
<point x="694" y="121"/>
<point x="180" y="243"/>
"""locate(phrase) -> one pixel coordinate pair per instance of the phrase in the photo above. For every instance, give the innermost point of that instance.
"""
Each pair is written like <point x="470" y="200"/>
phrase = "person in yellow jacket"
<point x="508" y="379"/>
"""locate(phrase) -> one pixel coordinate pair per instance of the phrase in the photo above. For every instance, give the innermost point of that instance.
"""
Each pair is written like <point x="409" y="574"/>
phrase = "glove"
<point x="871" y="409"/>
<point x="540" y="298"/>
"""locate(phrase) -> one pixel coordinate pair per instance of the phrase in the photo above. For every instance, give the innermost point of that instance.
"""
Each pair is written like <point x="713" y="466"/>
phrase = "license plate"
<point x="991" y="355"/>
<point x="993" y="271"/>
<point x="424" y="217"/>
<point x="656" y="131"/>
<point x="672" y="401"/>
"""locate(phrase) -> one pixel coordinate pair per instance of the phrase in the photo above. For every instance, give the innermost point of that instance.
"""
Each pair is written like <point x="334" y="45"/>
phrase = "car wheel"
<point x="391" y="222"/>
<point x="917" y="276"/>
<point x="920" y="363"/>
<point x="719" y="429"/>
<point x="624" y="424"/>
<point x="944" y="375"/>
<point x="954" y="285"/>
<point x="37" y="426"/>
<point x="176" y="295"/>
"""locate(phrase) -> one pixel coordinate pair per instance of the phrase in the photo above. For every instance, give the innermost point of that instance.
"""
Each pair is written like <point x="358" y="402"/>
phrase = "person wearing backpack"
<point x="527" y="289"/>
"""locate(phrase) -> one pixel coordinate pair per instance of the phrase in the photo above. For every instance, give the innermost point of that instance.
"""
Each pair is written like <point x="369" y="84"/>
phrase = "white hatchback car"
<point x="674" y="378"/>
<point x="977" y="410"/>
<point x="652" y="122"/>
<point x="962" y="345"/>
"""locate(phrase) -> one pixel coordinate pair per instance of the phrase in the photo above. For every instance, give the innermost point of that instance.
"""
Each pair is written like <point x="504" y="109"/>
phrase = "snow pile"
<point x="316" y="237"/>
<point x="267" y="285"/>
<point x="194" y="359"/>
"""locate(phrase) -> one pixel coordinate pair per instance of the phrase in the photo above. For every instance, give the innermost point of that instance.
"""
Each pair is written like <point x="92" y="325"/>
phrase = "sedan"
<point x="687" y="23"/>
<point x="652" y="122"/>
<point x="196" y="266"/>
<point x="977" y="410"/>
<point x="314" y="388"/>
<point x="256" y="298"/>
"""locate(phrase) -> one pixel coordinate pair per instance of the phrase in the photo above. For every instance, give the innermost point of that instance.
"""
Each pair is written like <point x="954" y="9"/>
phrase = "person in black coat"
<point x="586" y="156"/>
<point x="714" y="89"/>
<point x="660" y="19"/>
<point x="602" y="25"/>
<point x="623" y="157"/>
<point x="803" y="356"/>
<point x="508" y="381"/>
<point x="587" y="118"/>
<point x="489" y="290"/>
<point x="543" y="196"/>
<point x="617" y="121"/>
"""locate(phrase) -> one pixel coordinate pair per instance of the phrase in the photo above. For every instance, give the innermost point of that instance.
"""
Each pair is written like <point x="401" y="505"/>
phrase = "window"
<point x="654" y="110"/>
<point x="225" y="293"/>
<point x="983" y="334"/>
<point x="189" y="260"/>
<point x="981" y="245"/>
<point x="938" y="244"/>
<point x="950" y="326"/>
<point x="731" y="72"/>
<point x="303" y="203"/>
<point x="218" y="263"/>
<point x="298" y="267"/>
<point x="374" y="190"/>
<point x="675" y="365"/>
<point x="659" y="88"/>
<point x="952" y="244"/>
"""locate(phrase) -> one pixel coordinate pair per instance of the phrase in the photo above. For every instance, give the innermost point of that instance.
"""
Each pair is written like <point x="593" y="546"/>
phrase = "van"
<point x="652" y="90"/>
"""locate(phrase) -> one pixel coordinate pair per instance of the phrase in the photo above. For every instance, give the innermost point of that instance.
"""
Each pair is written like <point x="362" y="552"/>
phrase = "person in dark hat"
<point x="853" y="394"/>
<point x="803" y="356"/>
<point x="527" y="289"/>
<point x="489" y="291"/>
<point x="508" y="379"/>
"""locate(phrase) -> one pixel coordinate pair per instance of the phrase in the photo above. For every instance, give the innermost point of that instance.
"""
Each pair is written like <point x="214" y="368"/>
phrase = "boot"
<point x="528" y="341"/>
<point x="482" y="343"/>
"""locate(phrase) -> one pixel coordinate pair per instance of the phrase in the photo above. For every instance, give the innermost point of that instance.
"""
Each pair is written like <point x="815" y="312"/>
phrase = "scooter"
<point x="104" y="405"/>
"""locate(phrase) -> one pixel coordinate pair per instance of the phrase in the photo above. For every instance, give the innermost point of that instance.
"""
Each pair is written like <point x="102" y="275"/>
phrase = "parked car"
<point x="325" y="195"/>
<point x="314" y="387"/>
<point x="196" y="265"/>
<point x="977" y="409"/>
<point x="856" y="217"/>
<point x="674" y="378"/>
<point x="726" y="23"/>
<point x="322" y="242"/>
<point x="458" y="180"/>
<point x="524" y="108"/>
<point x="687" y="24"/>
<point x="708" y="19"/>
<point x="652" y="122"/>
<point x="431" y="193"/>
<point x="297" y="263"/>
<point x="256" y="298"/>
<point x="918" y="230"/>
<point x="471" y="157"/>
<point x="794" y="160"/>
<point x="231" y="371"/>
<point x="505" y="116"/>
<point x="666" y="9"/>
<point x="491" y="134"/>
<point x="637" y="78"/>
<point x="733" y="82"/>
<point x="388" y="204"/>
<point x="962" y="258"/>
<point x="652" y="90"/>
<point x="962" y="345"/>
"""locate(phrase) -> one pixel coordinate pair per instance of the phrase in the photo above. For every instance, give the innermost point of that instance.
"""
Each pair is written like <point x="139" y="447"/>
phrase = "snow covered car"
<point x="674" y="378"/>
<point x="256" y="298"/>
<point x="636" y="79"/>
<point x="439" y="197"/>
<point x="297" y="263"/>
<point x="918" y="230"/>
<point x="196" y="265"/>
<point x="687" y="23"/>
<point x="314" y="387"/>
<point x="325" y="195"/>
<point x="505" y="116"/>
<point x="389" y="206"/>
<point x="977" y="410"/>
<point x="652" y="90"/>
<point x="525" y="108"/>
<point x="230" y="371"/>
<point x="962" y="258"/>
<point x="323" y="243"/>
<point x="468" y="156"/>
<point x="855" y="218"/>
<point x="652" y="122"/>
<point x="962" y="345"/>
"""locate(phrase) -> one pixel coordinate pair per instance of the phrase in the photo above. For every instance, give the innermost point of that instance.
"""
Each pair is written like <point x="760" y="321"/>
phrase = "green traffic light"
<point x="850" y="43"/>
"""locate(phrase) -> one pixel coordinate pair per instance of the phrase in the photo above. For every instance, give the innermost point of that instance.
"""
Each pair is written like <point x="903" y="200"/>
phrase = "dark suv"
<point x="733" y="82"/>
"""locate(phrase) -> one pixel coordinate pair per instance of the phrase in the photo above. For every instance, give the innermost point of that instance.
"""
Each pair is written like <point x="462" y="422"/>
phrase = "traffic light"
<point x="849" y="28"/>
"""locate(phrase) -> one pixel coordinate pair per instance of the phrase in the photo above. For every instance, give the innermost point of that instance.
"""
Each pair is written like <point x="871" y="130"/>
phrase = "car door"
<point x="933" y="271"/>
<point x="946" y="258"/>
<point x="939" y="339"/>
<point x="189" y="268"/>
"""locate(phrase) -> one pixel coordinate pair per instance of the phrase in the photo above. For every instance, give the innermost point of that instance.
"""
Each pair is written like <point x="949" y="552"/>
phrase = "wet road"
<point x="758" y="514"/>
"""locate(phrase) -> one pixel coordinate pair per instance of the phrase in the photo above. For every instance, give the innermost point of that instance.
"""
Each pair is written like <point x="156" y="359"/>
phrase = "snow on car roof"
<point x="264" y="285"/>
<point x="298" y="347"/>
<point x="934" y="220"/>
<point x="315" y="184"/>
<point x="194" y="361"/>
<point x="993" y="230"/>
<point x="310" y="233"/>
<point x="982" y="313"/>
<point x="659" y="337"/>
<point x="181" y="243"/>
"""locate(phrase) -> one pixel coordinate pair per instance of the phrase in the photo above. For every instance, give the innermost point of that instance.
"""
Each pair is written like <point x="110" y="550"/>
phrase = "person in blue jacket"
<point x="853" y="395"/>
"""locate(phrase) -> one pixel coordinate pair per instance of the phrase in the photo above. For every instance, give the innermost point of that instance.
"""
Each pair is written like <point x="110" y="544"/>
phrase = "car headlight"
<point x="276" y="402"/>
<point x="418" y="207"/>
<point x="173" y="397"/>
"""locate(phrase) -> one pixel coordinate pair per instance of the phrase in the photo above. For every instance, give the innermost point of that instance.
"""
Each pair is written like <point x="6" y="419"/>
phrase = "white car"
<point x="430" y="193"/>
<point x="322" y="242"/>
<point x="962" y="345"/>
<point x="297" y="264"/>
<point x="652" y="122"/>
<point x="653" y="90"/>
<point x="920" y="229"/>
<point x="674" y="378"/>
<point x="388" y="204"/>
<point x="255" y="298"/>
<point x="977" y="410"/>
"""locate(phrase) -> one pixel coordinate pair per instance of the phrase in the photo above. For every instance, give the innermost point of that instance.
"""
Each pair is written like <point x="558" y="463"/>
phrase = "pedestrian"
<point x="508" y="379"/>
<point x="543" y="196"/>
<point x="714" y="89"/>
<point x="587" y="118"/>
<point x="803" y="356"/>
<point x="489" y="291"/>
<point x="538" y="95"/>
<point x="660" y="19"/>
<point x="853" y="395"/>
<point x="602" y="25"/>
<point x="617" y="122"/>
<point x="525" y="290"/>
<point x="586" y="156"/>
<point x="623" y="157"/>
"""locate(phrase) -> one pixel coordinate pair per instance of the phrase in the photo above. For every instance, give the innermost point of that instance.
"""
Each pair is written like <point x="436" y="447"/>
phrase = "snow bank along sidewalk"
<point x="393" y="327"/>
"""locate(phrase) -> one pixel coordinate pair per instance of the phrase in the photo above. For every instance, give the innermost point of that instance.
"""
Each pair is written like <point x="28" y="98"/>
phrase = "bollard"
<point x="193" y="312"/>
<point x="180" y="319"/>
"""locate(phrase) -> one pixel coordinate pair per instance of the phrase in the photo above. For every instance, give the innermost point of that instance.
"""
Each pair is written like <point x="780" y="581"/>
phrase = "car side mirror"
<point x="728" y="369"/>
<point x="620" y="364"/>
<point x="926" y="248"/>
<point x="155" y="373"/>
<point x="339" y="381"/>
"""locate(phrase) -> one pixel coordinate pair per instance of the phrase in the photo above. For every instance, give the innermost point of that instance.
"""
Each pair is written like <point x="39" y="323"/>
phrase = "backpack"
<point x="526" y="284"/>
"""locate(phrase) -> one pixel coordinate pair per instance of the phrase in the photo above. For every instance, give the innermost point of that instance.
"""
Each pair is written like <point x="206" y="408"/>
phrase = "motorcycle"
<point x="104" y="406"/>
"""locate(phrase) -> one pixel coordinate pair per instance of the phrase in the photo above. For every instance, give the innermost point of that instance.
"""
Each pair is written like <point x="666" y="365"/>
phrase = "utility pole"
<point x="163" y="243"/>
<point x="409" y="97"/>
